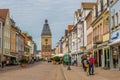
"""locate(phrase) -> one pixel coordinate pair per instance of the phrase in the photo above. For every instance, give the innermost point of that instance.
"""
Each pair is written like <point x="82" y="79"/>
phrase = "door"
<point x="100" y="60"/>
<point x="115" y="56"/>
<point x="107" y="60"/>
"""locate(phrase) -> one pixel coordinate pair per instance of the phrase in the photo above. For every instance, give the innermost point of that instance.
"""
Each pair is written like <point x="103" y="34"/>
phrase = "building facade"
<point x="89" y="29"/>
<point x="100" y="25"/>
<point x="1" y="38"/>
<point x="115" y="34"/>
<point x="4" y="14"/>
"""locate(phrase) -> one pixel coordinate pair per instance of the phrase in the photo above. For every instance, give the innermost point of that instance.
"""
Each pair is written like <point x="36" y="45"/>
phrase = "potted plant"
<point x="23" y="62"/>
<point x="57" y="59"/>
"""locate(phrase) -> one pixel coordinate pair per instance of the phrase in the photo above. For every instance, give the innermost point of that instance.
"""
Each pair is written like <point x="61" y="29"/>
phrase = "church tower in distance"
<point x="46" y="41"/>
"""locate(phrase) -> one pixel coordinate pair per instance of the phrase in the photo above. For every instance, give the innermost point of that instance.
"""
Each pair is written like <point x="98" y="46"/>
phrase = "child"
<point x="87" y="65"/>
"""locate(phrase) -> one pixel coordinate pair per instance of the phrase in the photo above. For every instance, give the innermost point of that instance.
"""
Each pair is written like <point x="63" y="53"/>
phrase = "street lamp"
<point x="68" y="68"/>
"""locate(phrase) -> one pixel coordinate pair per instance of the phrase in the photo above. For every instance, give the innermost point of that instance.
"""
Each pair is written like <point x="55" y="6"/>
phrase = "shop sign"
<point x="115" y="35"/>
<point x="82" y="48"/>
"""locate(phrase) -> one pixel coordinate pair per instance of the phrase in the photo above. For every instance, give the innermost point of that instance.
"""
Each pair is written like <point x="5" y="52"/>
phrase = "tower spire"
<point x="46" y="29"/>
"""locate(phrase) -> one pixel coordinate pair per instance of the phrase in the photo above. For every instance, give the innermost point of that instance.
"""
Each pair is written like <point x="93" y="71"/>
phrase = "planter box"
<point x="23" y="65"/>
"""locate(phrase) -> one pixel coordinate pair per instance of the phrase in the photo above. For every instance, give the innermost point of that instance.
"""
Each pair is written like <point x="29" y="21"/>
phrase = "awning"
<point x="114" y="42"/>
<point x="102" y="44"/>
<point x="26" y="55"/>
<point x="10" y="55"/>
<point x="60" y="55"/>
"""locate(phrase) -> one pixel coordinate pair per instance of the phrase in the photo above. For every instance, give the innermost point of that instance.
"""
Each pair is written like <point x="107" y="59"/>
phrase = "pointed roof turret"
<point x="46" y="29"/>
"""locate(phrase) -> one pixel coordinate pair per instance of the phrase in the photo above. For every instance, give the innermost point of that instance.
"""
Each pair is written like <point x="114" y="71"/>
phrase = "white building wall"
<point x="6" y="43"/>
<point x="1" y="36"/>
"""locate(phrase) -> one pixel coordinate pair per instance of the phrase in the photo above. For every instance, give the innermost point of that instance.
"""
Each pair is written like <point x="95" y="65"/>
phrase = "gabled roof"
<point x="3" y="13"/>
<point x="89" y="14"/>
<point x="88" y="5"/>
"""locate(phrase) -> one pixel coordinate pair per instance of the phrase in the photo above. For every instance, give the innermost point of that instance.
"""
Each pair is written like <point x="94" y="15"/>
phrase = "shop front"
<point x="115" y="50"/>
<point x="10" y="59"/>
<point x="104" y="59"/>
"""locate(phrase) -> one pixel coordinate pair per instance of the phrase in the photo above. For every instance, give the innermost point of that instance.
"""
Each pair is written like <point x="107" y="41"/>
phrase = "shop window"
<point x="115" y="57"/>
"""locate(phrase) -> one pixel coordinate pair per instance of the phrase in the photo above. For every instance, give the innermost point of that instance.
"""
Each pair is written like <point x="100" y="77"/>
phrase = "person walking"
<point x="83" y="63"/>
<point x="87" y="65"/>
<point x="91" y="65"/>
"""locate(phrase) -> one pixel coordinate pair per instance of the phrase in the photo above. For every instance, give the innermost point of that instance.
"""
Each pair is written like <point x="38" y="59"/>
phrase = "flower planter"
<point x="57" y="63"/>
<point x="23" y="65"/>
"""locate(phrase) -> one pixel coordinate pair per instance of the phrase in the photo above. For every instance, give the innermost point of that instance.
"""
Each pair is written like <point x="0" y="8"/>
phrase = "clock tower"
<point x="46" y="41"/>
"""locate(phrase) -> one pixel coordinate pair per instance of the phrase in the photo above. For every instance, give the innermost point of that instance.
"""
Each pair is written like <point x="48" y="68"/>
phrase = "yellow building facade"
<point x="101" y="34"/>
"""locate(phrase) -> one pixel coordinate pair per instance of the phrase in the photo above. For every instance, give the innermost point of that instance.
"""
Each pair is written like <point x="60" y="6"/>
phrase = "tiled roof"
<point x="88" y="5"/>
<point x="70" y="27"/>
<point x="3" y="13"/>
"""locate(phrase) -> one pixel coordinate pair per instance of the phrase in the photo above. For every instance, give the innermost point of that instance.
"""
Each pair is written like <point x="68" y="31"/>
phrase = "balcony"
<point x="97" y="39"/>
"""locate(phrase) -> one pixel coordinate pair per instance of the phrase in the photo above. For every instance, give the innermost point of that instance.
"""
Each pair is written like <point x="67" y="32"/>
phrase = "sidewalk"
<point x="77" y="73"/>
<point x="16" y="67"/>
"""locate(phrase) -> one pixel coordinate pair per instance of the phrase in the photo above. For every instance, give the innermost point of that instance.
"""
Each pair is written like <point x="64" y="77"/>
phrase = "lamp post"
<point x="68" y="68"/>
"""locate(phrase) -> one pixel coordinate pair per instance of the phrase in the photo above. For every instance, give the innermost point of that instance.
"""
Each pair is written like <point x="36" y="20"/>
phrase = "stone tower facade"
<point x="46" y="41"/>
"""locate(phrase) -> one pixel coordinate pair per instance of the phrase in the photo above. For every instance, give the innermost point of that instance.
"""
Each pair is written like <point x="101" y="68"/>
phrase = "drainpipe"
<point x="110" y="48"/>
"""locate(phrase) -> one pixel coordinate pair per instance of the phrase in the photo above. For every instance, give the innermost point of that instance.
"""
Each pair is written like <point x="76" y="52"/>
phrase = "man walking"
<point x="91" y="65"/>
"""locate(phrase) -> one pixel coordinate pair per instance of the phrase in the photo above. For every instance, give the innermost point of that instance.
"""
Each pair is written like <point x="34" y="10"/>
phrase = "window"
<point x="117" y="18"/>
<point x="0" y="43"/>
<point x="96" y="10"/>
<point x="106" y="26"/>
<point x="101" y="2"/>
<point x="111" y="1"/>
<point x="0" y="25"/>
<point x="113" y="21"/>
<point x="107" y="2"/>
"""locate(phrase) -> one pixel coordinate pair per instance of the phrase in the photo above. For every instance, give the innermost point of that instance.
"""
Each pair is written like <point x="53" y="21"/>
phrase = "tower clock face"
<point x="46" y="41"/>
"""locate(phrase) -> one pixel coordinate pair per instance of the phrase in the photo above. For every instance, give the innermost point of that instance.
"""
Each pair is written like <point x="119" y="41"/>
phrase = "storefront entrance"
<point x="107" y="59"/>
<point x="100" y="55"/>
<point x="115" y="53"/>
<point x="96" y="58"/>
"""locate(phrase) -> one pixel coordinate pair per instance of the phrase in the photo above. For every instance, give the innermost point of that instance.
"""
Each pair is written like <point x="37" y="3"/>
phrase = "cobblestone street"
<point x="49" y="71"/>
<point x="77" y="73"/>
<point x="39" y="71"/>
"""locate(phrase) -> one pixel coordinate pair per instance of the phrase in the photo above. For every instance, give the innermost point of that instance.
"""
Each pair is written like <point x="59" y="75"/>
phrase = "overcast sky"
<point x="29" y="15"/>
